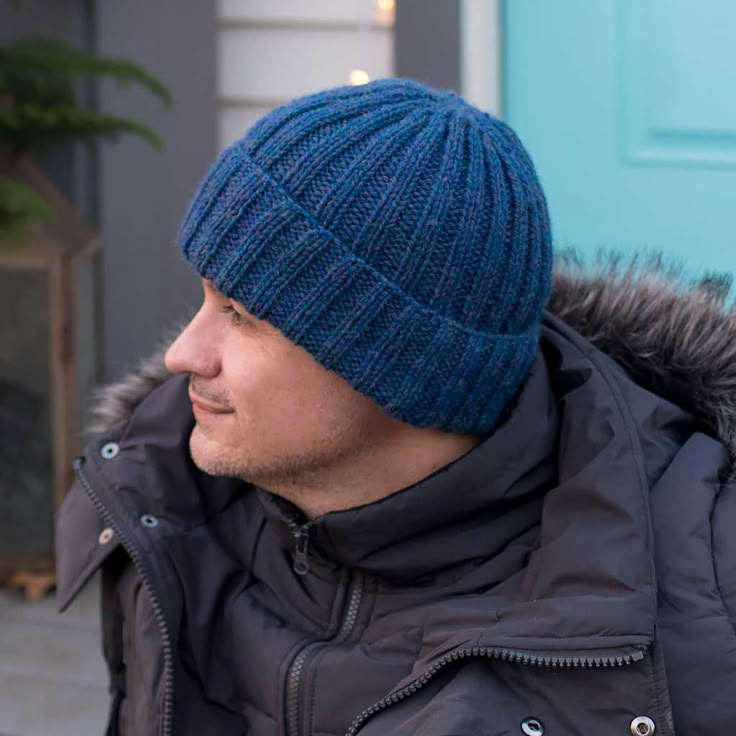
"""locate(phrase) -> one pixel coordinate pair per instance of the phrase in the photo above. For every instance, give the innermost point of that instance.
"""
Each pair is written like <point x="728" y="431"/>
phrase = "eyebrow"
<point x="229" y="298"/>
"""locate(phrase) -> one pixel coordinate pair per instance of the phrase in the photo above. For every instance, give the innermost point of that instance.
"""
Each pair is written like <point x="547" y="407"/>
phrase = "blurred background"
<point x="626" y="106"/>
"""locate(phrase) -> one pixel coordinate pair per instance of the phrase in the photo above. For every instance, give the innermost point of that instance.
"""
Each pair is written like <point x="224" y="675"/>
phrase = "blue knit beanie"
<point x="395" y="232"/>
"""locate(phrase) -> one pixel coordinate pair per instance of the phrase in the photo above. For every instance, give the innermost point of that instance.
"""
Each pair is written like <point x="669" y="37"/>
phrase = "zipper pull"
<point x="301" y="535"/>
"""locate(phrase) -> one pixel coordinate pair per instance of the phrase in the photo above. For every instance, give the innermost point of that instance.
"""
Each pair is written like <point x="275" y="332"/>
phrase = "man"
<point x="386" y="490"/>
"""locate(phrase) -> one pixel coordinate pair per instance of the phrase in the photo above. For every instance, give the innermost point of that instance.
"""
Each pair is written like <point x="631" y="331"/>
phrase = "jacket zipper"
<point x="301" y="545"/>
<point x="507" y="655"/>
<point x="296" y="670"/>
<point x="166" y="721"/>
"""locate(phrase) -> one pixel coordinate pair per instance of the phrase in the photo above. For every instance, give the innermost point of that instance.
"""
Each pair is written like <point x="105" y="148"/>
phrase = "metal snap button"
<point x="105" y="535"/>
<point x="110" y="450"/>
<point x="532" y="727"/>
<point x="642" y="726"/>
<point x="148" y="520"/>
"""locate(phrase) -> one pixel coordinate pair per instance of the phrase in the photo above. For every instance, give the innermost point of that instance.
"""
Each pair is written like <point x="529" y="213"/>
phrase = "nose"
<point x="194" y="350"/>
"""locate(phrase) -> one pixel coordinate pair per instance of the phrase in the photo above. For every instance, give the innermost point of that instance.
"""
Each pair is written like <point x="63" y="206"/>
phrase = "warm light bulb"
<point x="386" y="4"/>
<point x="359" y="76"/>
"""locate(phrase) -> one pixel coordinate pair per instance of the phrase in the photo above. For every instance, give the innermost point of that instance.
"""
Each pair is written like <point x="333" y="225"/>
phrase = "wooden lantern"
<point x="39" y="369"/>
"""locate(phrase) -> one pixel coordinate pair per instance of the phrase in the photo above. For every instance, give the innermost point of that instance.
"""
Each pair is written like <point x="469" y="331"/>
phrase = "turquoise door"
<point x="628" y="108"/>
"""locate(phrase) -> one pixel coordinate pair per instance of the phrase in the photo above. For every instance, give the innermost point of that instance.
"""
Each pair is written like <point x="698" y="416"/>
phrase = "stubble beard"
<point x="282" y="471"/>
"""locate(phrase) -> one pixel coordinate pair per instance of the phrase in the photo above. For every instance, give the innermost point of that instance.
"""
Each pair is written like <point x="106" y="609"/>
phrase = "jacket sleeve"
<point x="694" y="513"/>
<point x="723" y="523"/>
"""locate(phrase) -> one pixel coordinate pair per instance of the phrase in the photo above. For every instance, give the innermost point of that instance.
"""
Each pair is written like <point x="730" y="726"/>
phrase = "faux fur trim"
<point x="677" y="338"/>
<point x="112" y="404"/>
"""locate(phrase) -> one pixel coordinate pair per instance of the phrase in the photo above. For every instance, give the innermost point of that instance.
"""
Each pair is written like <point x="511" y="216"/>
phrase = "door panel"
<point x="628" y="108"/>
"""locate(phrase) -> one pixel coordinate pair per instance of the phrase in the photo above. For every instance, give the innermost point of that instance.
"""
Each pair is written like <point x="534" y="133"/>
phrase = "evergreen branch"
<point x="21" y="88"/>
<point x="19" y="204"/>
<point x="46" y="56"/>
<point x="30" y="124"/>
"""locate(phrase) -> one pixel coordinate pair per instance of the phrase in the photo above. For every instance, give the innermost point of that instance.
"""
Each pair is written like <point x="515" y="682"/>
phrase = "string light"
<point x="383" y="13"/>
<point x="359" y="76"/>
<point x="383" y="17"/>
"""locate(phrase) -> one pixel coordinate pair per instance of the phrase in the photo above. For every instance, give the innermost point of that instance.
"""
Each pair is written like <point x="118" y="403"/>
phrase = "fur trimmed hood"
<point x="676" y="338"/>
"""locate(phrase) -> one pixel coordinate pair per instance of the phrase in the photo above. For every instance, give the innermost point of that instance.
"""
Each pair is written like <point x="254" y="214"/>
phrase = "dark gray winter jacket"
<point x="573" y="574"/>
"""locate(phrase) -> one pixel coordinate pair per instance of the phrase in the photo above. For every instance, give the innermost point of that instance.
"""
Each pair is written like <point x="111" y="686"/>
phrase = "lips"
<point x="207" y="406"/>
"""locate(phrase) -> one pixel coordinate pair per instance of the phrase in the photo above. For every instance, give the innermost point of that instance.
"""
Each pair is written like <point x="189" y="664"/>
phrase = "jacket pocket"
<point x="492" y="697"/>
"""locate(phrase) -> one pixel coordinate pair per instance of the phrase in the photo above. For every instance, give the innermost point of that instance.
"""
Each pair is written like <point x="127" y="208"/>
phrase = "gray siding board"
<point x="142" y="193"/>
<point x="427" y="42"/>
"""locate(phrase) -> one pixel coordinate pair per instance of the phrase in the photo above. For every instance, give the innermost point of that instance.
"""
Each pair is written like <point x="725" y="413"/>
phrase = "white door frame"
<point x="480" y="54"/>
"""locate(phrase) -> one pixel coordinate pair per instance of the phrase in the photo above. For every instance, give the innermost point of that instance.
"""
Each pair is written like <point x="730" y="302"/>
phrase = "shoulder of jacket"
<point x="675" y="337"/>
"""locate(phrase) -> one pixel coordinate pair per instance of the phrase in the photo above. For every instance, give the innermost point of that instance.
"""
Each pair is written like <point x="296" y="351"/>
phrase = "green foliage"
<point x="38" y="95"/>
<point x="19" y="204"/>
<point x="27" y="125"/>
<point x="39" y="88"/>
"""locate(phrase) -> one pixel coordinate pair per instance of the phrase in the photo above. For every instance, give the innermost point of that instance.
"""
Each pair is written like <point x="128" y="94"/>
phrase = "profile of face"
<point x="278" y="417"/>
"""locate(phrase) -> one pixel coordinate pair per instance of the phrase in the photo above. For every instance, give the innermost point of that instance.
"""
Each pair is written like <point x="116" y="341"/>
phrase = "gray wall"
<point x="427" y="42"/>
<point x="143" y="194"/>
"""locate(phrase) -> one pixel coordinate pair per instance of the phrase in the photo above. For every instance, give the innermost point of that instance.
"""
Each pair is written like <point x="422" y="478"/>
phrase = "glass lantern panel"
<point x="26" y="473"/>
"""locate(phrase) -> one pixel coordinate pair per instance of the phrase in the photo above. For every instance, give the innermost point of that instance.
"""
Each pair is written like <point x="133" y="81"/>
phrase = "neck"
<point x="375" y="471"/>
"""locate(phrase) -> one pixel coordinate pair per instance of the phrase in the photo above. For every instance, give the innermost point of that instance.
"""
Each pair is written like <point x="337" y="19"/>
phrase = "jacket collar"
<point x="448" y="520"/>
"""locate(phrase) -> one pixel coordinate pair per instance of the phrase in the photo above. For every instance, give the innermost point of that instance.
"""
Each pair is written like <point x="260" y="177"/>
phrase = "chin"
<point x="215" y="458"/>
<point x="206" y="453"/>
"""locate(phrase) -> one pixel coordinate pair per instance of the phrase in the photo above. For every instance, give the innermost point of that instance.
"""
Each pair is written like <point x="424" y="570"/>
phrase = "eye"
<point x="235" y="317"/>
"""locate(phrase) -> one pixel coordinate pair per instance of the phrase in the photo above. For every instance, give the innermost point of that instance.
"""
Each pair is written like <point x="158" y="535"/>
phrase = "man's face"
<point x="284" y="418"/>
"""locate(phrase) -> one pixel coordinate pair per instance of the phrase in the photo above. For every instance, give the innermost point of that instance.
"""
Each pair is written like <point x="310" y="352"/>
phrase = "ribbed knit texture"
<point x="397" y="233"/>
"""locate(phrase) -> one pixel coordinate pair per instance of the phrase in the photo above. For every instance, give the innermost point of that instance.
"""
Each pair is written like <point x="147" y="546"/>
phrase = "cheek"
<point x="286" y="394"/>
<point x="264" y="388"/>
<point x="286" y="404"/>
